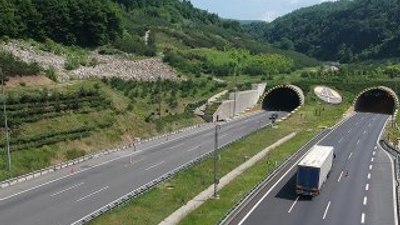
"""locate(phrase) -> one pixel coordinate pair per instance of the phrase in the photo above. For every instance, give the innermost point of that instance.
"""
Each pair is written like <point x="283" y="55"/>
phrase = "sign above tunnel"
<point x="328" y="95"/>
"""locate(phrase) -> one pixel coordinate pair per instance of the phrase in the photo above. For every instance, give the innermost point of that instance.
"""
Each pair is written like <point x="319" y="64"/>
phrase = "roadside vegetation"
<point x="187" y="184"/>
<point x="62" y="122"/>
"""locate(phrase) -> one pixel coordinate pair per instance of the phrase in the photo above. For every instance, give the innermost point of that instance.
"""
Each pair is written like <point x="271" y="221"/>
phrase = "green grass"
<point x="185" y="185"/>
<point x="126" y="116"/>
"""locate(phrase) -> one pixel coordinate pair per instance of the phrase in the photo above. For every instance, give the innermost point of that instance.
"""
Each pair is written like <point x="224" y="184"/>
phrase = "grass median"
<point x="152" y="207"/>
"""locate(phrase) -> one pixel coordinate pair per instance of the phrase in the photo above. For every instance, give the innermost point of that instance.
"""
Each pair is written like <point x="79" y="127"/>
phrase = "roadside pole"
<point x="5" y="122"/>
<point x="216" y="159"/>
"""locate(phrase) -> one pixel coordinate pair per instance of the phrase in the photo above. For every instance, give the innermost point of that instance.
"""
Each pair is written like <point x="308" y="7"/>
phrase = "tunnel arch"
<point x="283" y="98"/>
<point x="378" y="99"/>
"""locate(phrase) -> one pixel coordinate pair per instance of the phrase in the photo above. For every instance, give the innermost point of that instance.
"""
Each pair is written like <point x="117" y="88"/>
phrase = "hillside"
<point x="344" y="30"/>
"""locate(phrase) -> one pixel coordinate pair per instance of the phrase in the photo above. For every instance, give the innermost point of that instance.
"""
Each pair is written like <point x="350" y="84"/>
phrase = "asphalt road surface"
<point x="61" y="198"/>
<point x="360" y="189"/>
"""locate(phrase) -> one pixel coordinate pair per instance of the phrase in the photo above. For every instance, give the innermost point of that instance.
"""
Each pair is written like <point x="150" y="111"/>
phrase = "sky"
<point x="266" y="10"/>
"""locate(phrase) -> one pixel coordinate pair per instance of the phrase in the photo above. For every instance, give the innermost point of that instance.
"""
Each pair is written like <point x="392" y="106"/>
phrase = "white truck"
<point x="313" y="170"/>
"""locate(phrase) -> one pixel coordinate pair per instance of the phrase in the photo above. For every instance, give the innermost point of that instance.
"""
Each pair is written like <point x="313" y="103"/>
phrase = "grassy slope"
<point x="127" y="124"/>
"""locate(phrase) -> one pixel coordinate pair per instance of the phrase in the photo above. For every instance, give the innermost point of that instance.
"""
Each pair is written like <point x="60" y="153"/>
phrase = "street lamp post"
<point x="216" y="158"/>
<point x="5" y="121"/>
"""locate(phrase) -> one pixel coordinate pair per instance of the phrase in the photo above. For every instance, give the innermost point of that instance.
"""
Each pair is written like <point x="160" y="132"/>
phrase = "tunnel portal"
<point x="381" y="100"/>
<point x="283" y="98"/>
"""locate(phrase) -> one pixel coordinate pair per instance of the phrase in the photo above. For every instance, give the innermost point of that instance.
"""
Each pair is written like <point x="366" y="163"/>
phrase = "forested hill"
<point x="123" y="24"/>
<point x="343" y="30"/>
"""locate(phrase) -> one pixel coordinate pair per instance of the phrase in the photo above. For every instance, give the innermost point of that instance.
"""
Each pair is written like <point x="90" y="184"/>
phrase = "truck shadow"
<point x="288" y="191"/>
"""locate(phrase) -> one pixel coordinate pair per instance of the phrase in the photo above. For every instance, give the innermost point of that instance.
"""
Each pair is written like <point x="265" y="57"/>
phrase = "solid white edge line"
<point x="395" y="215"/>
<point x="104" y="163"/>
<point x="287" y="172"/>
<point x="66" y="189"/>
<point x="91" y="194"/>
<point x="294" y="203"/>
<point x="155" y="165"/>
<point x="326" y="210"/>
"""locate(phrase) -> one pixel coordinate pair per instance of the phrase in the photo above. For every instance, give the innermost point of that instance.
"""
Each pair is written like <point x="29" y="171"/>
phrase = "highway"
<point x="61" y="198"/>
<point x="360" y="189"/>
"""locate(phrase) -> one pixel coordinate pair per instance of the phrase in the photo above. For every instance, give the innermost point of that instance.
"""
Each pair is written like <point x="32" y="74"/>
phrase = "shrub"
<point x="73" y="154"/>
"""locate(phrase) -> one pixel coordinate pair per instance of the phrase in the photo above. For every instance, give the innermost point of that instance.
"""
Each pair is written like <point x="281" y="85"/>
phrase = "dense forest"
<point x="122" y="25"/>
<point x="343" y="30"/>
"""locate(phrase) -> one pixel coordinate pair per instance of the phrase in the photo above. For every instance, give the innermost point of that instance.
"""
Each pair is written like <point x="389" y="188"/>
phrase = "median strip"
<point x="197" y="201"/>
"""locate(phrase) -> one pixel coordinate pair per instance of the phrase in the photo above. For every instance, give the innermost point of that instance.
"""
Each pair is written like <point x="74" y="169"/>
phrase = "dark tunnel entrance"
<point x="376" y="101"/>
<point x="281" y="99"/>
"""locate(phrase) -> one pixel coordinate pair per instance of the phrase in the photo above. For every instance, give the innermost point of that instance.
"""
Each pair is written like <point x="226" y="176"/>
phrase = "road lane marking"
<point x="363" y="218"/>
<point x="91" y="194"/>
<point x="341" y="139"/>
<point x="350" y="155"/>
<point x="155" y="165"/>
<point x="370" y="167"/>
<point x="365" y="200"/>
<point x="287" y="172"/>
<point x="375" y="148"/>
<point x="232" y="125"/>
<point x="367" y="187"/>
<point x="132" y="162"/>
<point x="369" y="176"/>
<point x="192" y="149"/>
<point x="372" y="159"/>
<point x="326" y="210"/>
<point x="340" y="176"/>
<point x="294" y="203"/>
<point x="358" y="141"/>
<point x="349" y="130"/>
<point x="373" y="153"/>
<point x="67" y="189"/>
<point x="224" y="135"/>
<point x="181" y="144"/>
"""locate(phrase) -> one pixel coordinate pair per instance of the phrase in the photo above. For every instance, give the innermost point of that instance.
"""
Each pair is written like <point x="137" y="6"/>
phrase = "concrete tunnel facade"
<point x="283" y="98"/>
<point x="379" y="99"/>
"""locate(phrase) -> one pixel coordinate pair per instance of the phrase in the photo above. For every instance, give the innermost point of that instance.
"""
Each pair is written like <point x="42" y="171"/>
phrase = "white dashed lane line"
<point x="294" y="203"/>
<point x="326" y="210"/>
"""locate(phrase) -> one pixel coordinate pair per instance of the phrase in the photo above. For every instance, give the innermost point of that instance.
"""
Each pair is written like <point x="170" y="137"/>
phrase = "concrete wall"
<point x="224" y="111"/>
<point x="244" y="99"/>
<point x="260" y="88"/>
<point x="239" y="102"/>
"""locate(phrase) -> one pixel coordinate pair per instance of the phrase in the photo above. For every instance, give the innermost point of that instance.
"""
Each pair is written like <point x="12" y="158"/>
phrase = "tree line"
<point x="343" y="30"/>
<point x="72" y="22"/>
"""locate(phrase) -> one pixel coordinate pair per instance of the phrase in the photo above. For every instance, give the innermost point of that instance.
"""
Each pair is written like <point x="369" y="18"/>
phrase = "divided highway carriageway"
<point x="359" y="190"/>
<point x="61" y="198"/>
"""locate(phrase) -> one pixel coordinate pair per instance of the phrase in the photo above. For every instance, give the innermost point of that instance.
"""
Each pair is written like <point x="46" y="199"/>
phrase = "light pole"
<point x="5" y="122"/>
<point x="216" y="158"/>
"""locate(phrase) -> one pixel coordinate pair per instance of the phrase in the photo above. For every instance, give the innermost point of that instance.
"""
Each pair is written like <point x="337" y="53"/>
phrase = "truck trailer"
<point x="313" y="170"/>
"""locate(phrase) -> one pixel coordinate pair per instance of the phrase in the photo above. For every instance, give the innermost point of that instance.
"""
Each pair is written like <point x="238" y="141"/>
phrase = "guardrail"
<point x="147" y="187"/>
<point x="264" y="181"/>
<point x="51" y="169"/>
<point x="385" y="144"/>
